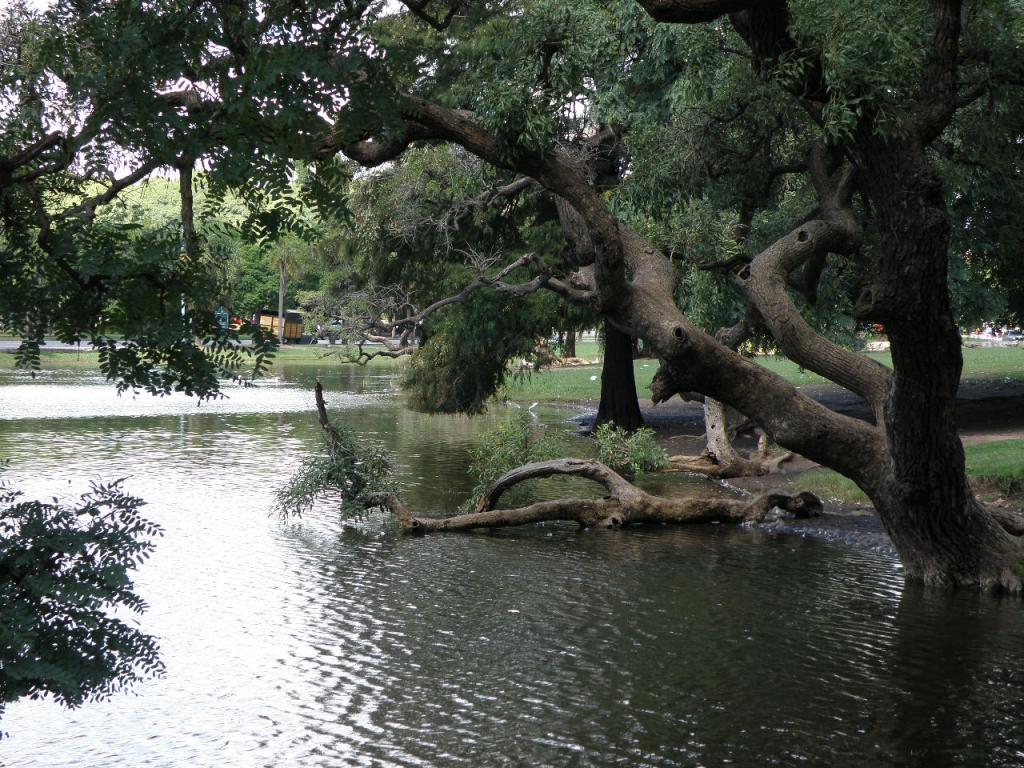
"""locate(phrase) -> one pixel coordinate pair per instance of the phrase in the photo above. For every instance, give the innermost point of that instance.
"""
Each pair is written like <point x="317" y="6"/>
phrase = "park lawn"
<point x="584" y="382"/>
<point x="995" y="468"/>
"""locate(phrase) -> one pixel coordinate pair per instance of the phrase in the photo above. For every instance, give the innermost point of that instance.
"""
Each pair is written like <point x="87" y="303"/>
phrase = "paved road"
<point x="9" y="345"/>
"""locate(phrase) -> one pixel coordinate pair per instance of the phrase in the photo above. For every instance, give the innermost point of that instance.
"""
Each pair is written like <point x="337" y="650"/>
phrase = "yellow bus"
<point x="293" y="324"/>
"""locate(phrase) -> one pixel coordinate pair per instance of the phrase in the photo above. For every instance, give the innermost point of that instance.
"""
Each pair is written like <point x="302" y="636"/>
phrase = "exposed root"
<point x="625" y="504"/>
<point x="1010" y="520"/>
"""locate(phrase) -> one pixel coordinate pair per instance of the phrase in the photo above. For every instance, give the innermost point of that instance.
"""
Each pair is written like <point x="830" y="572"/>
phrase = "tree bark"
<point x="570" y="343"/>
<point x="942" y="533"/>
<point x="619" y="404"/>
<point x="282" y="288"/>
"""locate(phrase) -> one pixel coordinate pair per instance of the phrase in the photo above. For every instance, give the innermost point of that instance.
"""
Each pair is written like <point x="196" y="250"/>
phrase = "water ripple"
<point x="317" y="643"/>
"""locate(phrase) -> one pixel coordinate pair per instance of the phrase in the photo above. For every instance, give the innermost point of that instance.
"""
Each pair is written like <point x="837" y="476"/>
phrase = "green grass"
<point x="1005" y="363"/>
<point x="996" y="467"/>
<point x="831" y="486"/>
<point x="572" y="384"/>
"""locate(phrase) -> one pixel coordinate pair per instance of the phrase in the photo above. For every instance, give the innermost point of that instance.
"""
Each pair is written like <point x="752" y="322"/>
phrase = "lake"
<point x="323" y="642"/>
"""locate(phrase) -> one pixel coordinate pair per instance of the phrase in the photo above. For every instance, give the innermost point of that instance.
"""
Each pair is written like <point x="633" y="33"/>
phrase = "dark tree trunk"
<point x="570" y="343"/>
<point x="939" y="529"/>
<point x="619" y="404"/>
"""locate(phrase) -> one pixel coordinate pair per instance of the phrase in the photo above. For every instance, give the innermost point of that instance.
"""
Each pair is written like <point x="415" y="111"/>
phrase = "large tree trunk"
<point x="619" y="404"/>
<point x="942" y="533"/>
<point x="570" y="343"/>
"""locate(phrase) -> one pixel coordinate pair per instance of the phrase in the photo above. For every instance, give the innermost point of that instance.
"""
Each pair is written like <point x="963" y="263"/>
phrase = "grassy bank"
<point x="584" y="382"/>
<point x="995" y="469"/>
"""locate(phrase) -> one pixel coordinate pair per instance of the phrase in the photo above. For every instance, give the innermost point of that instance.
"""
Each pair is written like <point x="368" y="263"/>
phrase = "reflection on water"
<point x="315" y="643"/>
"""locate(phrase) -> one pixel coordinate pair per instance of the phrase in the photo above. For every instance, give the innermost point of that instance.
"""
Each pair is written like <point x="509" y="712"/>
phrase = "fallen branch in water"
<point x="625" y="504"/>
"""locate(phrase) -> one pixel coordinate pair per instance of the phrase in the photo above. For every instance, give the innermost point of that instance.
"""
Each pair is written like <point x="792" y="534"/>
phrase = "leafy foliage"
<point x="516" y="442"/>
<point x="871" y="56"/>
<point x="629" y="453"/>
<point x="65" y="574"/>
<point x="346" y="470"/>
<point x="467" y="354"/>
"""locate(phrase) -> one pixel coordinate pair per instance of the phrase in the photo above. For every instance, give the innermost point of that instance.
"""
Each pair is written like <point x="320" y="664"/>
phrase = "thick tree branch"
<point x="625" y="504"/>
<point x="31" y="152"/>
<point x="371" y="152"/>
<point x="188" y="226"/>
<point x="419" y="8"/>
<point x="87" y="208"/>
<point x="937" y="102"/>
<point x="692" y="11"/>
<point x="590" y="469"/>
<point x="766" y="280"/>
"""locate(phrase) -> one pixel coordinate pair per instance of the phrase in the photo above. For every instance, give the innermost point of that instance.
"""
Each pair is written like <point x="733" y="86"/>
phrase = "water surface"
<point x="325" y="643"/>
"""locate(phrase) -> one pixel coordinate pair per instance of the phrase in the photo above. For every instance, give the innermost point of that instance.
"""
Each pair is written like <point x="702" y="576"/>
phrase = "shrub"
<point x="516" y="442"/>
<point x="347" y="469"/>
<point x="629" y="453"/>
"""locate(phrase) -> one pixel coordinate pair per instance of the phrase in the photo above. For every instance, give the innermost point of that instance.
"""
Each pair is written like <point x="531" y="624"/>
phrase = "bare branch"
<point x="496" y="283"/>
<point x="87" y="208"/>
<point x="625" y="504"/>
<point x="492" y="196"/>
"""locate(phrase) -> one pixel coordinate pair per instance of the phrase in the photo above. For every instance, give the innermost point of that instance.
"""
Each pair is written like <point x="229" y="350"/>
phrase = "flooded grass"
<point x="829" y="485"/>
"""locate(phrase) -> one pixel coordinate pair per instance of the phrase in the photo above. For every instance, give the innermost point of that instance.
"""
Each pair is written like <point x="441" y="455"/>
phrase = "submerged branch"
<point x="625" y="504"/>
